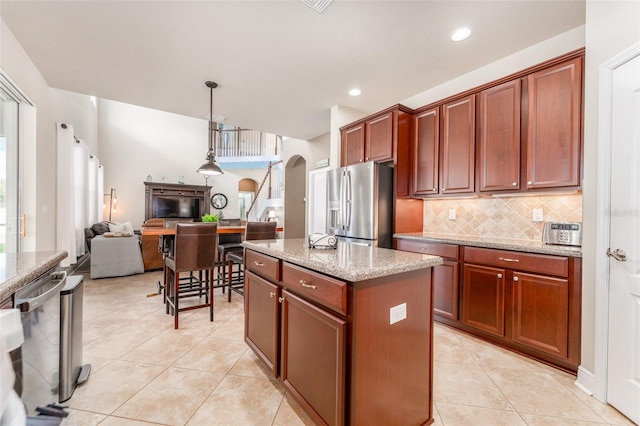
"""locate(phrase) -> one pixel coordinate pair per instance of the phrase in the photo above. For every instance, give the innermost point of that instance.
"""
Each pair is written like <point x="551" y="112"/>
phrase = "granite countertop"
<point x="19" y="269"/>
<point x="497" y="243"/>
<point x="349" y="262"/>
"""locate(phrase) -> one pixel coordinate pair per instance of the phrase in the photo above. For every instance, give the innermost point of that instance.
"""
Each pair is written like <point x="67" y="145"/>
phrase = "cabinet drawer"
<point x="436" y="249"/>
<point x="263" y="265"/>
<point x="539" y="263"/>
<point x="326" y="291"/>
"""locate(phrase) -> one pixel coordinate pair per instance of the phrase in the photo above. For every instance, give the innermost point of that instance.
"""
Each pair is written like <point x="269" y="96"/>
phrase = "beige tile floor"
<point x="144" y="372"/>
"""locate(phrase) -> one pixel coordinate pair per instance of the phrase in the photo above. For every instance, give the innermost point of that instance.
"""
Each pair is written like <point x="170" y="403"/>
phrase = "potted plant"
<point x="211" y="217"/>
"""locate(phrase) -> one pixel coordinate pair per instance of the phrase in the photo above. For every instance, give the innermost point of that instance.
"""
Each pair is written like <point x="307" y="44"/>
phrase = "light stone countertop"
<point x="496" y="243"/>
<point x="349" y="262"/>
<point x="19" y="269"/>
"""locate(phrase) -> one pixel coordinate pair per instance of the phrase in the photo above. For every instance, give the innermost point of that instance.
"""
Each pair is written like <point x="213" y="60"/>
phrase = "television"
<point x="177" y="207"/>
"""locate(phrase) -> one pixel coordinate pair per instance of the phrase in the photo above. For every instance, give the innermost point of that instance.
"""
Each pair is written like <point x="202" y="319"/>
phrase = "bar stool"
<point x="227" y="243"/>
<point x="194" y="249"/>
<point x="253" y="231"/>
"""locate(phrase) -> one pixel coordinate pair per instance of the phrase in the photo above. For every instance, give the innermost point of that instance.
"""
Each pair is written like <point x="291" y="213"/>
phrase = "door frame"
<point x="605" y="105"/>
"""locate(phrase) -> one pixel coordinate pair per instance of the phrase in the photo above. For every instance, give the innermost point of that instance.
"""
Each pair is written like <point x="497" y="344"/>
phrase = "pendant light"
<point x="210" y="168"/>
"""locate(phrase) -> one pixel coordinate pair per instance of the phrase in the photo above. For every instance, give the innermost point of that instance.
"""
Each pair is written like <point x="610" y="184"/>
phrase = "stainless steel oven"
<point x="39" y="304"/>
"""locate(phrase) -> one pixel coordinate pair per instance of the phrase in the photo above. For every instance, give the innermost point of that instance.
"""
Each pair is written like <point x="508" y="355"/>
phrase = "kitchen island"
<point x="19" y="269"/>
<point x="347" y="330"/>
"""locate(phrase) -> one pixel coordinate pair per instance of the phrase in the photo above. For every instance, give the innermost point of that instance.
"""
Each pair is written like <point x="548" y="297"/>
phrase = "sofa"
<point x="111" y="255"/>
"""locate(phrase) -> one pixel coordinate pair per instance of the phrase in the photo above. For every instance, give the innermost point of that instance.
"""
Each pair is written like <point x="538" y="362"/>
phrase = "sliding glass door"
<point x="9" y="175"/>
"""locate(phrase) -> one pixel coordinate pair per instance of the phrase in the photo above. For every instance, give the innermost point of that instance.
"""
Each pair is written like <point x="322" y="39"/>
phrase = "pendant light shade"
<point x="210" y="167"/>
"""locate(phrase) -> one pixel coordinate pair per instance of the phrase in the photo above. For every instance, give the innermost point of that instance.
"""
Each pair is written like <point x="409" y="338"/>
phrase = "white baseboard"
<point x="586" y="380"/>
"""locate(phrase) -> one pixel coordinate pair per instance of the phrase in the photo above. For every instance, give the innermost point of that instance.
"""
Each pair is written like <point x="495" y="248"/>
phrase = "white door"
<point x="623" y="386"/>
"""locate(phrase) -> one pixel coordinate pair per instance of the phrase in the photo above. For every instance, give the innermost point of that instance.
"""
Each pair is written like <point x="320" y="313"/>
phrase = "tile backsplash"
<point x="500" y="217"/>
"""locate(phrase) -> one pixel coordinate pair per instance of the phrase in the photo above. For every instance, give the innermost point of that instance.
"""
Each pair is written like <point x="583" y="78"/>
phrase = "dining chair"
<point x="194" y="250"/>
<point x="253" y="231"/>
<point x="227" y="243"/>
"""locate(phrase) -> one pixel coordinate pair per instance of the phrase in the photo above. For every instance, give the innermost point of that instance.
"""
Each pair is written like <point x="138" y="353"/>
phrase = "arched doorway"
<point x="295" y="183"/>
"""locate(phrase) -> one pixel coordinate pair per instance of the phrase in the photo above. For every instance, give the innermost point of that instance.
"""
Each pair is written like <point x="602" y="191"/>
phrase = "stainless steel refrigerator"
<point x="360" y="207"/>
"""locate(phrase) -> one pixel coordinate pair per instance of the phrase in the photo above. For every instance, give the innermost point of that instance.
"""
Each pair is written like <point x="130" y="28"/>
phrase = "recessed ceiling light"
<point x="460" y="34"/>
<point x="354" y="92"/>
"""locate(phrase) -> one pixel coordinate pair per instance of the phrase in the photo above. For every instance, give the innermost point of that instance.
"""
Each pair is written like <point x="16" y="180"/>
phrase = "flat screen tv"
<point x="177" y="207"/>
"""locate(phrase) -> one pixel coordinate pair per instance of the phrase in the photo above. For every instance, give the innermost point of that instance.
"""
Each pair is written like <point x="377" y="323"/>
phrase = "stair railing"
<point x="273" y="191"/>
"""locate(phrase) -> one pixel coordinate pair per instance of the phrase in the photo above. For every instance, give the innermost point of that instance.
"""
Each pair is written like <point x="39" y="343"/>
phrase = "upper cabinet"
<point x="458" y="146"/>
<point x="554" y="126"/>
<point x="499" y="137"/>
<point x="519" y="134"/>
<point x="378" y="136"/>
<point x="426" y="152"/>
<point x="353" y="145"/>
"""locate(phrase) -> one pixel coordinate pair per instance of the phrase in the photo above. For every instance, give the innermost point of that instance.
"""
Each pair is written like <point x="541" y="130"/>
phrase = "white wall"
<point x="136" y="142"/>
<point x="611" y="27"/>
<point x="51" y="106"/>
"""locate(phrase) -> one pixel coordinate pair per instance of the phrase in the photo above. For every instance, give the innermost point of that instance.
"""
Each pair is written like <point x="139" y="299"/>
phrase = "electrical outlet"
<point x="537" y="215"/>
<point x="452" y="214"/>
<point x="397" y="313"/>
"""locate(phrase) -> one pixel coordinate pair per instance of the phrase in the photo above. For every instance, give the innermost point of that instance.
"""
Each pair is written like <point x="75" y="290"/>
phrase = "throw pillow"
<point x="100" y="228"/>
<point x="125" y="228"/>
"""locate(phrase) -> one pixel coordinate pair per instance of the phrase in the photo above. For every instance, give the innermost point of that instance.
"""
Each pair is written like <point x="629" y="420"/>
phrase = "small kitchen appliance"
<point x="562" y="233"/>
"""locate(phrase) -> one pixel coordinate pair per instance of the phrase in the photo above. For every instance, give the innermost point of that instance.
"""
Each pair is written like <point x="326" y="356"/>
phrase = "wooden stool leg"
<point x="210" y="284"/>
<point x="175" y="300"/>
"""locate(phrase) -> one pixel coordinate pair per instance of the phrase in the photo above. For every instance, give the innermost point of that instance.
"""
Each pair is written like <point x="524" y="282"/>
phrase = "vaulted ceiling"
<point x="280" y="65"/>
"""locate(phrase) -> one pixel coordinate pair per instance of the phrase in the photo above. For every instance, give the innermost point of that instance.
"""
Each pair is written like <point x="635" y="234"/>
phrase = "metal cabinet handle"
<point x="499" y="275"/>
<point x="617" y="254"/>
<point x="514" y="183"/>
<point x="529" y="183"/>
<point x="515" y="278"/>
<point x="506" y="259"/>
<point x="272" y="294"/>
<point x="280" y="299"/>
<point x="305" y="285"/>
<point x="255" y="262"/>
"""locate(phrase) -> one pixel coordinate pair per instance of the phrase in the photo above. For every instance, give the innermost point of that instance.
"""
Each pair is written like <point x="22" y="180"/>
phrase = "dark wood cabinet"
<point x="353" y="145"/>
<point x="379" y="138"/>
<point x="262" y="325"/>
<point x="483" y="294"/>
<point x="457" y="146"/>
<point x="499" y="138"/>
<point x="426" y="152"/>
<point x="528" y="302"/>
<point x="313" y="357"/>
<point x="554" y="126"/>
<point x="445" y="277"/>
<point x="540" y="313"/>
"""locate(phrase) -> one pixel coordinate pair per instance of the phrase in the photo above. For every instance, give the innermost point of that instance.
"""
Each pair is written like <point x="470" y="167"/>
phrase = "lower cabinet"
<point x="333" y="345"/>
<point x="527" y="302"/>
<point x="313" y="357"/>
<point x="483" y="299"/>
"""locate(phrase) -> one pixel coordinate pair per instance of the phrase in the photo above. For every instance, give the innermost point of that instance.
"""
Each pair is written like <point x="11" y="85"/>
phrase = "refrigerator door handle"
<point x="342" y="200"/>
<point x="347" y="225"/>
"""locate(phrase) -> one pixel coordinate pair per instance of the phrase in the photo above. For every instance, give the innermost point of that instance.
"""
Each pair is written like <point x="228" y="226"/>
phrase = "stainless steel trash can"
<point x="72" y="372"/>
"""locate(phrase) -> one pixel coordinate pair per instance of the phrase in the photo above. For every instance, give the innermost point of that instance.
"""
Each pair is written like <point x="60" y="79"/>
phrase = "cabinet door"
<point x="445" y="290"/>
<point x="458" y="146"/>
<point x="313" y="357"/>
<point x="554" y="123"/>
<point x="262" y="312"/>
<point x="426" y="152"/>
<point x="379" y="138"/>
<point x="540" y="313"/>
<point x="499" y="132"/>
<point x="483" y="299"/>
<point x="353" y="145"/>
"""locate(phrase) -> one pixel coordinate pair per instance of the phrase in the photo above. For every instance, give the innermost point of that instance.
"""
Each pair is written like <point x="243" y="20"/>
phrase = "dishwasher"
<point x="39" y="304"/>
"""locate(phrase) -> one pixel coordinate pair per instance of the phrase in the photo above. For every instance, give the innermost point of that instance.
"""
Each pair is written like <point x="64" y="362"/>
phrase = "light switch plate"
<point x="537" y="215"/>
<point x="397" y="313"/>
<point x="452" y="214"/>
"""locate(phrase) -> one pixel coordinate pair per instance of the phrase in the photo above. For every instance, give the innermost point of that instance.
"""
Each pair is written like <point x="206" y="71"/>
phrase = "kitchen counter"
<point x="349" y="262"/>
<point x="19" y="269"/>
<point x="496" y="243"/>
